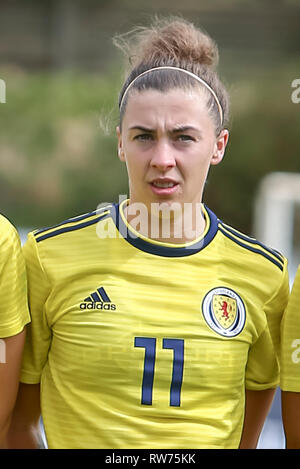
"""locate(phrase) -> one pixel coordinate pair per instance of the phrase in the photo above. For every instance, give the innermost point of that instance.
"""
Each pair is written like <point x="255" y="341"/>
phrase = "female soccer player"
<point x="290" y="367"/>
<point x="14" y="315"/>
<point x="151" y="317"/>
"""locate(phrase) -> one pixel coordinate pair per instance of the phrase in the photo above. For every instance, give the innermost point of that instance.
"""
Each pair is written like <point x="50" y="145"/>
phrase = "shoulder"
<point x="261" y="268"/>
<point x="71" y="226"/>
<point x="255" y="251"/>
<point x="296" y="284"/>
<point x="8" y="233"/>
<point x="6" y="227"/>
<point x="295" y="293"/>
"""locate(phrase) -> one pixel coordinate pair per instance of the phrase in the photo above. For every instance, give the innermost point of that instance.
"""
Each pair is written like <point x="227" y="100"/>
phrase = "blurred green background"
<point x="58" y="153"/>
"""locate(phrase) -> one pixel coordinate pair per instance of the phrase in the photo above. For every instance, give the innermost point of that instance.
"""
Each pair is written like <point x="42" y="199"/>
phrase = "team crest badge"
<point x="224" y="311"/>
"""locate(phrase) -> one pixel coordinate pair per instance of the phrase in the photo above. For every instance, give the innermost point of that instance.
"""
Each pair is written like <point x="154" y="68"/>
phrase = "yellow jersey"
<point x="290" y="341"/>
<point x="14" y="313"/>
<point x="144" y="344"/>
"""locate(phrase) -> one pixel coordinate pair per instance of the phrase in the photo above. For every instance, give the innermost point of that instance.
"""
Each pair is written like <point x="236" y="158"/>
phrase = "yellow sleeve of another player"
<point x="38" y="335"/>
<point x="263" y="361"/>
<point x="14" y="314"/>
<point x="290" y="341"/>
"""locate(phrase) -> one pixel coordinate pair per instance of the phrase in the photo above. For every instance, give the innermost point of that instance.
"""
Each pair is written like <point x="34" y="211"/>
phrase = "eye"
<point x="143" y="137"/>
<point x="185" y="138"/>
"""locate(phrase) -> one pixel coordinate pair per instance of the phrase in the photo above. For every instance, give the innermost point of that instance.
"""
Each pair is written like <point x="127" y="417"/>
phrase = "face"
<point x="168" y="143"/>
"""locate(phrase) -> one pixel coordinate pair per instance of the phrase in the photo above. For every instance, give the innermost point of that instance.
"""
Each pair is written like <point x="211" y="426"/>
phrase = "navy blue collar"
<point x="159" y="249"/>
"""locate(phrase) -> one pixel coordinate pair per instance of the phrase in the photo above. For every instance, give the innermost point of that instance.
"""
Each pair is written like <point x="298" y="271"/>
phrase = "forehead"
<point x="177" y="106"/>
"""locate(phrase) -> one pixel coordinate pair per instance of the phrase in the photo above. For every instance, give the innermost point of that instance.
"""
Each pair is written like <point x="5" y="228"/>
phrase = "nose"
<point x="163" y="156"/>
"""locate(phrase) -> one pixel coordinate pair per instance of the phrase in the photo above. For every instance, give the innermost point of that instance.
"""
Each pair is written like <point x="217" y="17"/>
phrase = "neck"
<point x="167" y="223"/>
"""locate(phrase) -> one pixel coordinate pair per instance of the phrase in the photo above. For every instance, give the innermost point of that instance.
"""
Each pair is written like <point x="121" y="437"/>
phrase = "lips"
<point x="163" y="186"/>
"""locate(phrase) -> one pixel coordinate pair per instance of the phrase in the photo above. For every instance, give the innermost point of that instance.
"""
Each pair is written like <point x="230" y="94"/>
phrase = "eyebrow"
<point x="182" y="128"/>
<point x="185" y="128"/>
<point x="143" y="129"/>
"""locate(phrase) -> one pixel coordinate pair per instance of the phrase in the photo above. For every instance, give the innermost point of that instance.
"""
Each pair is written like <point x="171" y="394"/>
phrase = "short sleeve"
<point x="14" y="313"/>
<point x="290" y="341"/>
<point x="38" y="335"/>
<point x="263" y="367"/>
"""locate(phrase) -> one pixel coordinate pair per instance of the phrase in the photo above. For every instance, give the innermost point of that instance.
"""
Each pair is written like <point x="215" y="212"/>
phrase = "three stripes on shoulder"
<point x="73" y="224"/>
<point x="252" y="245"/>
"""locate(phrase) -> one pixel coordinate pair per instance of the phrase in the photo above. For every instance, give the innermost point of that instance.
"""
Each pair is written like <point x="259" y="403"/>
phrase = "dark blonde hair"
<point x="178" y="43"/>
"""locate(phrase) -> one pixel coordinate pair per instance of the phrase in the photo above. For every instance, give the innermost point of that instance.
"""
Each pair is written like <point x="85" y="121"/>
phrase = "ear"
<point x="120" y="144"/>
<point x="220" y="146"/>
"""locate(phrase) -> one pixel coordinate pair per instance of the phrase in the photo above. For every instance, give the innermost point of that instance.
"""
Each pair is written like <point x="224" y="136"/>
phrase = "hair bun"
<point x="171" y="40"/>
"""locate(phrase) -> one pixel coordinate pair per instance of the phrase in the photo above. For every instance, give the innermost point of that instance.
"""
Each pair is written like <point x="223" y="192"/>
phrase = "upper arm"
<point x="257" y="406"/>
<point x="290" y="367"/>
<point x="39" y="333"/>
<point x="10" y="363"/>
<point x="14" y="313"/>
<point x="262" y="370"/>
<point x="291" y="418"/>
<point x="290" y="341"/>
<point x="24" y="431"/>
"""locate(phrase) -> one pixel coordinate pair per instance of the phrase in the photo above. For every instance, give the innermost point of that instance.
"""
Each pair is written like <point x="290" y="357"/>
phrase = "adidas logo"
<point x="98" y="300"/>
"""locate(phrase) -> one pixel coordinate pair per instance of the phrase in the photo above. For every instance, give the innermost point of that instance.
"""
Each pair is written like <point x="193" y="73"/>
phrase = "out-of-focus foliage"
<point x="264" y="138"/>
<point x="59" y="148"/>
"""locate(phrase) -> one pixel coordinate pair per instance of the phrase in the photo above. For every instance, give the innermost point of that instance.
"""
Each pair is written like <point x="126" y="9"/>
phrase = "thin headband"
<point x="179" y="70"/>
